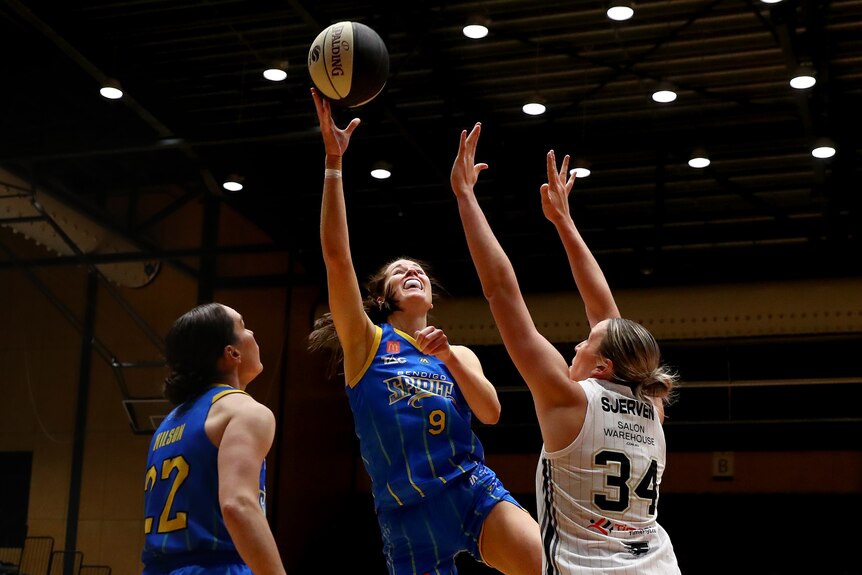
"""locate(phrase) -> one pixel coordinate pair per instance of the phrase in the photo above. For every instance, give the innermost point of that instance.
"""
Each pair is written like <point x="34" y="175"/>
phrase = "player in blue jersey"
<point x="204" y="491"/>
<point x="413" y="395"/>
<point x="599" y="472"/>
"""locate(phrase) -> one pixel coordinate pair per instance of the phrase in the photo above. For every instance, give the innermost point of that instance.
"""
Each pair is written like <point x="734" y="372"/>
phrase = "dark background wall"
<point x="772" y="390"/>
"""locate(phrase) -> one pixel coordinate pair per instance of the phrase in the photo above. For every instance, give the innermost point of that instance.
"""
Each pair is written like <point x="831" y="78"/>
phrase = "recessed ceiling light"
<point x="535" y="107"/>
<point x="111" y="90"/>
<point x="699" y="159"/>
<point x="823" y="148"/>
<point x="664" y="96"/>
<point x="620" y="10"/>
<point x="475" y="31"/>
<point x="274" y="74"/>
<point x="804" y="78"/>
<point x="477" y="27"/>
<point x="233" y="183"/>
<point x="381" y="170"/>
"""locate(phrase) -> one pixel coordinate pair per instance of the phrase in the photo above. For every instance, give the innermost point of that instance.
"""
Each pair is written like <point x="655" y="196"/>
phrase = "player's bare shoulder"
<point x="236" y="405"/>
<point x="463" y="352"/>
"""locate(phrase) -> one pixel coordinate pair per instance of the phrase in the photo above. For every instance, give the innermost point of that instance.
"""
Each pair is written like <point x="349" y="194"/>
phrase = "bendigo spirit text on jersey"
<point x="413" y="424"/>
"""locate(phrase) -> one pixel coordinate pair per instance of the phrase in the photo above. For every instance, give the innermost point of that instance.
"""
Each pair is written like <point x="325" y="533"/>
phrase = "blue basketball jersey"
<point x="413" y="424"/>
<point x="182" y="518"/>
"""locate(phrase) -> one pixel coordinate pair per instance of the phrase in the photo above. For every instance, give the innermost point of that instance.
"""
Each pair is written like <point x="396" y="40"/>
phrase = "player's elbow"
<point x="491" y="418"/>
<point x="501" y="285"/>
<point x="490" y="413"/>
<point x="236" y="508"/>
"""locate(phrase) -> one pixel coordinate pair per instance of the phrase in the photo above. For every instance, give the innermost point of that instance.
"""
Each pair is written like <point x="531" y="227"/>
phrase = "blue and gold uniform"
<point x="432" y="491"/>
<point x="184" y="527"/>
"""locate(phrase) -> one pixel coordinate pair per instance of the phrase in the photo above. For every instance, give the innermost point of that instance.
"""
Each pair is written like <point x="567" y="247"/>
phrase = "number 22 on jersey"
<point x="167" y="523"/>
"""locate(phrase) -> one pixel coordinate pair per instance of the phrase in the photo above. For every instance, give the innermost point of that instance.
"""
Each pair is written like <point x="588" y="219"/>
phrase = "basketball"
<point x="348" y="63"/>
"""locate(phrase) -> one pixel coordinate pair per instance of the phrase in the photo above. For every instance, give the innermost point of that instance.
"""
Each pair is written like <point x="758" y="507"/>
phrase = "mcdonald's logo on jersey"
<point x="393" y="346"/>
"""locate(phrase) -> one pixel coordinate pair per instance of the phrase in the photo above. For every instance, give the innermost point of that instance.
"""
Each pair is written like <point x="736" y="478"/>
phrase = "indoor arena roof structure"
<point x="196" y="108"/>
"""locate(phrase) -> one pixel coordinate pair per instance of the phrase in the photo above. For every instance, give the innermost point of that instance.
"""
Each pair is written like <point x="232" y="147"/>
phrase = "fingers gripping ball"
<point x="348" y="63"/>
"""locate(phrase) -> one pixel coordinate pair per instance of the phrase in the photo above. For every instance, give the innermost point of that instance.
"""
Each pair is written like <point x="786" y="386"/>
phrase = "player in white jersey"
<point x="597" y="497"/>
<point x="604" y="451"/>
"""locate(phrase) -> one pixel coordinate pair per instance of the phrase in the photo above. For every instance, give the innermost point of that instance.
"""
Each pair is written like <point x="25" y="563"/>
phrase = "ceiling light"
<point x="823" y="148"/>
<point x="581" y="168"/>
<point x="233" y="183"/>
<point x="698" y="159"/>
<point x="477" y="27"/>
<point x="664" y="95"/>
<point x="111" y="89"/>
<point x="276" y="73"/>
<point x="535" y="106"/>
<point x="620" y="10"/>
<point x="804" y="78"/>
<point x="770" y="1"/>
<point x="381" y="170"/>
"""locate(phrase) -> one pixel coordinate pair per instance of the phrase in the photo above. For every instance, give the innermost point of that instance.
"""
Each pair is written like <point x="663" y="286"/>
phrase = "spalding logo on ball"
<point x="348" y="63"/>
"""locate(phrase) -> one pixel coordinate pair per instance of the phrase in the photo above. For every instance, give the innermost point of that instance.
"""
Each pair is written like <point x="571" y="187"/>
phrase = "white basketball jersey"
<point x="598" y="497"/>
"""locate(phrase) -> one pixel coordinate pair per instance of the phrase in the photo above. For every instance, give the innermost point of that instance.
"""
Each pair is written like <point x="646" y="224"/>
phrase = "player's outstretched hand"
<point x="465" y="171"/>
<point x="555" y="194"/>
<point x="334" y="138"/>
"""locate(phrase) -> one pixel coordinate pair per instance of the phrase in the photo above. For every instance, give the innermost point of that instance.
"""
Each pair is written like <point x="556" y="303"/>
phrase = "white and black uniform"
<point x="598" y="497"/>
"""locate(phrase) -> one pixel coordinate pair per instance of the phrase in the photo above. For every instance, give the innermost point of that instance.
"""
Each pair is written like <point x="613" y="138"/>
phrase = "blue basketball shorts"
<point x="425" y="537"/>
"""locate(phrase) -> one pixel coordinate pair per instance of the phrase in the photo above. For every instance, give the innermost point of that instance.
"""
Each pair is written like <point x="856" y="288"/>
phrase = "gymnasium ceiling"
<point x="197" y="108"/>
